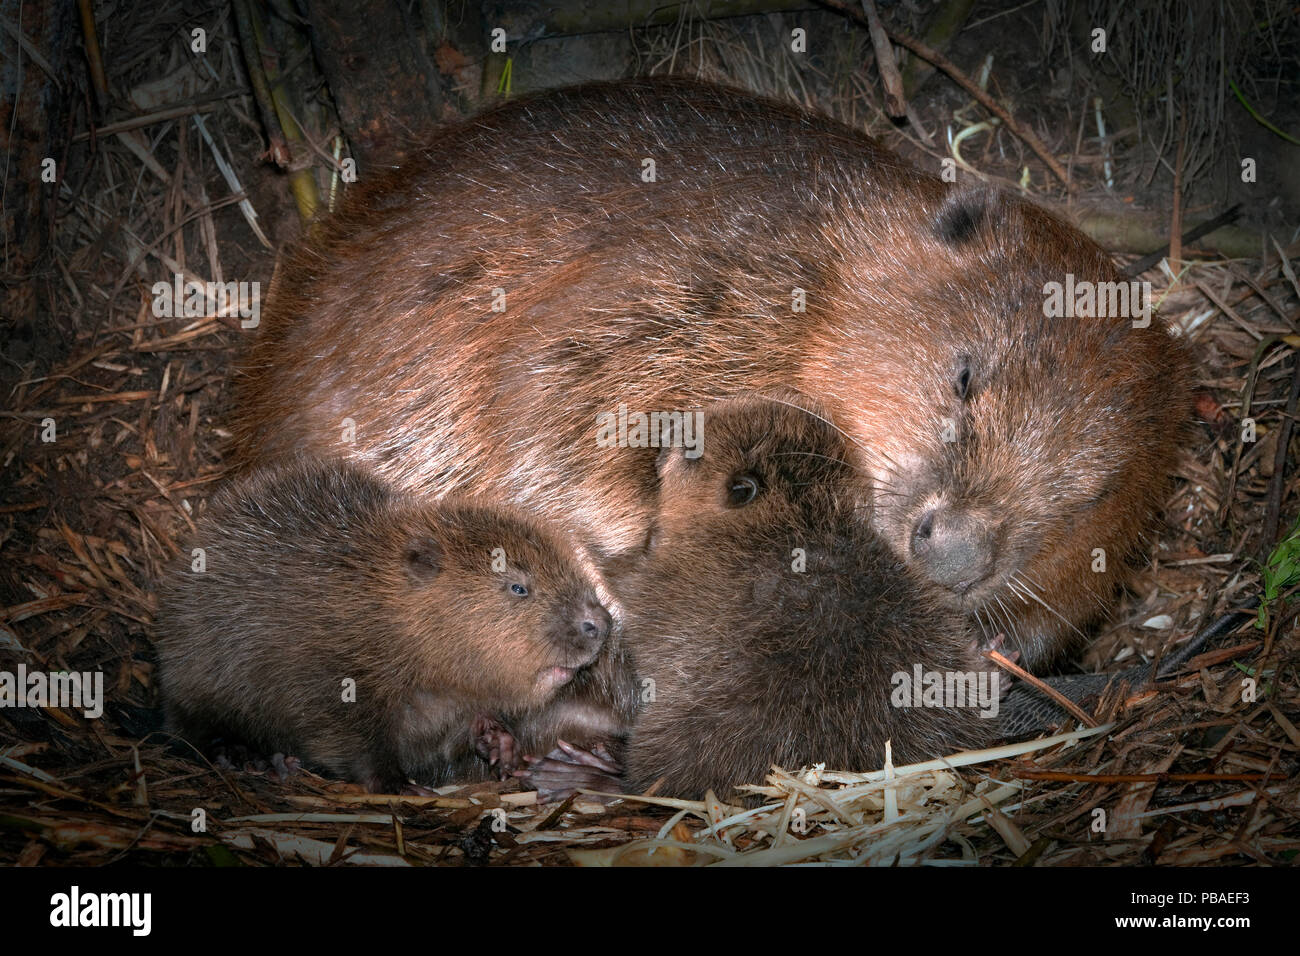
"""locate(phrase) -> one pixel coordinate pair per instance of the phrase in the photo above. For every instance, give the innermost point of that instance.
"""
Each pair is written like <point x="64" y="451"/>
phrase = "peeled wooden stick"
<point x="1066" y="704"/>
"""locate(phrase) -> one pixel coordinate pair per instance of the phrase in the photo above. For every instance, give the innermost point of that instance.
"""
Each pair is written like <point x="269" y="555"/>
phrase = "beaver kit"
<point x="771" y="624"/>
<point x="653" y="245"/>
<point x="384" y="637"/>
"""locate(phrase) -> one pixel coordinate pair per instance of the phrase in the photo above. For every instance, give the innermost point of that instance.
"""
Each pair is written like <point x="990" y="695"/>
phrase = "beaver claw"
<point x="568" y="768"/>
<point x="495" y="744"/>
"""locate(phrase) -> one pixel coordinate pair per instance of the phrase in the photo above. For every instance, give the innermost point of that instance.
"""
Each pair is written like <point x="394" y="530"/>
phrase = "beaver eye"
<point x="743" y="490"/>
<point x="961" y="385"/>
<point x="519" y="589"/>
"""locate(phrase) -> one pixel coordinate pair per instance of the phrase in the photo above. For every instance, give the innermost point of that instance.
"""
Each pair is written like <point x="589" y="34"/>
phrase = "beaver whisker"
<point x="821" y="418"/>
<point x="1006" y="613"/>
<point x="889" y="490"/>
<point x="810" y="454"/>
<point x="1000" y="623"/>
<point x="1018" y="589"/>
<point x="1012" y="629"/>
<point x="1025" y="576"/>
<point x="1053" y="611"/>
<point x="1011" y="586"/>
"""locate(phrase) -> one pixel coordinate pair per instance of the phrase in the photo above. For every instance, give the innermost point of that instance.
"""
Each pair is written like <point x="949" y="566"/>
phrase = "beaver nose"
<point x="593" y="623"/>
<point x="954" y="547"/>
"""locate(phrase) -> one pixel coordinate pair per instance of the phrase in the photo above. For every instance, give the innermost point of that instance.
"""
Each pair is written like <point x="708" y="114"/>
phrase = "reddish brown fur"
<point x="754" y="663"/>
<point x="670" y="294"/>
<point x="320" y="573"/>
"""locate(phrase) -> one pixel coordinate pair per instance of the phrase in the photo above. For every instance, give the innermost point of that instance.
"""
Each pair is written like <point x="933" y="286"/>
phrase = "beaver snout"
<point x="595" y="623"/>
<point x="953" y="547"/>
<point x="588" y="627"/>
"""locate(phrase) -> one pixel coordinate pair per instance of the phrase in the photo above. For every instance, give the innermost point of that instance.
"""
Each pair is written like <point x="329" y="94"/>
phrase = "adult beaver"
<point x="475" y="319"/>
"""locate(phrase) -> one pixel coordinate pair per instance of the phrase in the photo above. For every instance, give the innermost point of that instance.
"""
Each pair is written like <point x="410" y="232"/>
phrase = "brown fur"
<point x="670" y="294"/>
<point x="319" y="573"/>
<point x="754" y="663"/>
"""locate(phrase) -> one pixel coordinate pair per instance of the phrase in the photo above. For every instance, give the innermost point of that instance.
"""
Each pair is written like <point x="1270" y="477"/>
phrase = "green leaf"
<point x="220" y="855"/>
<point x="1280" y="573"/>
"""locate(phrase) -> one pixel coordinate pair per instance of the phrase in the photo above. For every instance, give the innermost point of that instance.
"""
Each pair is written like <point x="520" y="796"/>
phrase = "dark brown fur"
<point x="320" y="573"/>
<point x="924" y="304"/>
<point x="754" y="663"/>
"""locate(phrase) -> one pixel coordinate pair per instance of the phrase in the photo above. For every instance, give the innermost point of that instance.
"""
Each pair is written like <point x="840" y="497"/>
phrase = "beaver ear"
<point x="423" y="557"/>
<point x="963" y="214"/>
